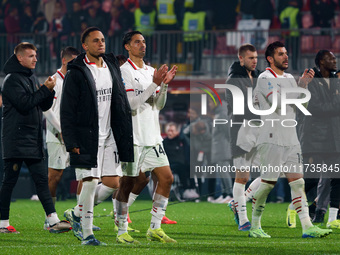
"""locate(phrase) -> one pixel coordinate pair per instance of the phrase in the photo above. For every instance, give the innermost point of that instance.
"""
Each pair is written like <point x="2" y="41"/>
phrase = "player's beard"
<point x="280" y="66"/>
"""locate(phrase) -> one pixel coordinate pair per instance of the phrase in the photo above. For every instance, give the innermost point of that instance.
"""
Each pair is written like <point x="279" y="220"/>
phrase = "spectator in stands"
<point x="194" y="22"/>
<point x="199" y="132"/>
<point x="174" y="146"/>
<point x="284" y="3"/>
<point x="168" y="19"/>
<point x="61" y="29"/>
<point x="48" y="7"/>
<point x="126" y="19"/>
<point x="96" y="19"/>
<point x="76" y="17"/>
<point x="221" y="149"/>
<point x="26" y="20"/>
<point x="145" y="21"/>
<point x="224" y="14"/>
<point x="12" y="25"/>
<point x="40" y="25"/>
<point x="246" y="9"/>
<point x="116" y="26"/>
<point x="323" y="12"/>
<point x="263" y="9"/>
<point x="290" y="18"/>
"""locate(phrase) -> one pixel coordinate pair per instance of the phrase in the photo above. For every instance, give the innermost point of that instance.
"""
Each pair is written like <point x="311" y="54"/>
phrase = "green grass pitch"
<point x="203" y="228"/>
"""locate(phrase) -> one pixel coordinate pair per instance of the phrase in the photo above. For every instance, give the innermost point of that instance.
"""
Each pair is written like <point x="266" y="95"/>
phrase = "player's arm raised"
<point x="161" y="95"/>
<point x="137" y="100"/>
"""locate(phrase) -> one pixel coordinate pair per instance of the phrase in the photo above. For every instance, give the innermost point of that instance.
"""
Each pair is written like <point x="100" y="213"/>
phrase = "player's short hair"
<point x="245" y="47"/>
<point x="68" y="52"/>
<point x="121" y="59"/>
<point x="319" y="56"/>
<point x="270" y="51"/>
<point x="87" y="32"/>
<point x="21" y="47"/>
<point x="128" y="37"/>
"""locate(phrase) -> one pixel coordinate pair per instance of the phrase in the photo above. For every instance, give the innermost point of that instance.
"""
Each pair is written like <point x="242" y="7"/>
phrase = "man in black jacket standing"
<point x="320" y="137"/>
<point x="243" y="75"/>
<point x="97" y="128"/>
<point x="22" y="133"/>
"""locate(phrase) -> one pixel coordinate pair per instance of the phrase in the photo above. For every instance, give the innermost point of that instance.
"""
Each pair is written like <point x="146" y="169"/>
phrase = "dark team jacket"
<point x="321" y="131"/>
<point x="23" y="102"/>
<point x="79" y="113"/>
<point x="238" y="76"/>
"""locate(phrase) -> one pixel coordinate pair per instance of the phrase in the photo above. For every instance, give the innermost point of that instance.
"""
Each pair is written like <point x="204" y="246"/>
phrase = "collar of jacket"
<point x="13" y="65"/>
<point x="236" y="68"/>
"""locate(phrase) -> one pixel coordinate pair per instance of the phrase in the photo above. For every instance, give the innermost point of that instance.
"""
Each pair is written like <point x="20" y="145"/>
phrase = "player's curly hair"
<point x="319" y="56"/>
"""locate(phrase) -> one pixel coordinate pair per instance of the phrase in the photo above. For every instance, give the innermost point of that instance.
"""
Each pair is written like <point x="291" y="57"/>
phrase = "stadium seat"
<point x="307" y="43"/>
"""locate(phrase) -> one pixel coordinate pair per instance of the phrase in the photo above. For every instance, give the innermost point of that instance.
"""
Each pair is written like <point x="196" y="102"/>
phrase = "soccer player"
<point x="97" y="127"/>
<point x="278" y="145"/>
<point x="58" y="157"/>
<point x="321" y="145"/>
<point x="24" y="100"/>
<point x="243" y="74"/>
<point x="141" y="82"/>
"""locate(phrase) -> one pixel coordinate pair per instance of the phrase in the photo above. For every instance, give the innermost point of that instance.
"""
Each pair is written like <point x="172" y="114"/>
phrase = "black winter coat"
<point x="79" y="113"/>
<point x="238" y="76"/>
<point x="321" y="131"/>
<point x="23" y="102"/>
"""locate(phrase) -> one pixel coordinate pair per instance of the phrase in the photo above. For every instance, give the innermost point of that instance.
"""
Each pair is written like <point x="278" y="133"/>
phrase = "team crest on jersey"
<point x="270" y="86"/>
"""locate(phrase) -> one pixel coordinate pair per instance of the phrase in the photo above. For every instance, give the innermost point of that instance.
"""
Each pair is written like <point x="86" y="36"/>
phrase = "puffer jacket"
<point x="24" y="100"/>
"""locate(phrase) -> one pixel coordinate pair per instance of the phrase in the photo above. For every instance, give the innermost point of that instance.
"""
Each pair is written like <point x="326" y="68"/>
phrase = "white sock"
<point x="114" y="209"/>
<point x="259" y="202"/>
<point x="4" y="223"/>
<point x="333" y="213"/>
<point x="158" y="210"/>
<point x="291" y="206"/>
<point x="254" y="185"/>
<point x="102" y="193"/>
<point x="86" y="202"/>
<point x="77" y="210"/>
<point x="121" y="216"/>
<point x="240" y="202"/>
<point x="299" y="202"/>
<point x="77" y="198"/>
<point x="132" y="198"/>
<point x="53" y="218"/>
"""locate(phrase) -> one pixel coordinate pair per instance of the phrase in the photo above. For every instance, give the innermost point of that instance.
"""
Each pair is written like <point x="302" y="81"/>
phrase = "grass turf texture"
<point x="203" y="228"/>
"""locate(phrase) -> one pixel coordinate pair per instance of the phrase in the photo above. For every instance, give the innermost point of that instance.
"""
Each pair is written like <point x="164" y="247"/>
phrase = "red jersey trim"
<point x="270" y="70"/>
<point x="61" y="74"/>
<point x="130" y="90"/>
<point x="87" y="61"/>
<point x="132" y="64"/>
<point x="269" y="94"/>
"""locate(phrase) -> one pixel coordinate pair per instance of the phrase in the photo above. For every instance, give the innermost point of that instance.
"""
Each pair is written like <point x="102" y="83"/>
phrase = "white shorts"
<point x="247" y="160"/>
<point x="108" y="163"/>
<point x="146" y="158"/>
<point x="247" y="137"/>
<point x="58" y="157"/>
<point x="277" y="159"/>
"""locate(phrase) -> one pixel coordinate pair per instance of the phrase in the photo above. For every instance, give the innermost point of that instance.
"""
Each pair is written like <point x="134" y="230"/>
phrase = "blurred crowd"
<point x="64" y="18"/>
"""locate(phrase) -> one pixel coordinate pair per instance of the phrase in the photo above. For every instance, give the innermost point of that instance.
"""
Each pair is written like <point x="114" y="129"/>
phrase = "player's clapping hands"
<point x="306" y="78"/>
<point x="50" y="82"/>
<point x="159" y="74"/>
<point x="170" y="75"/>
